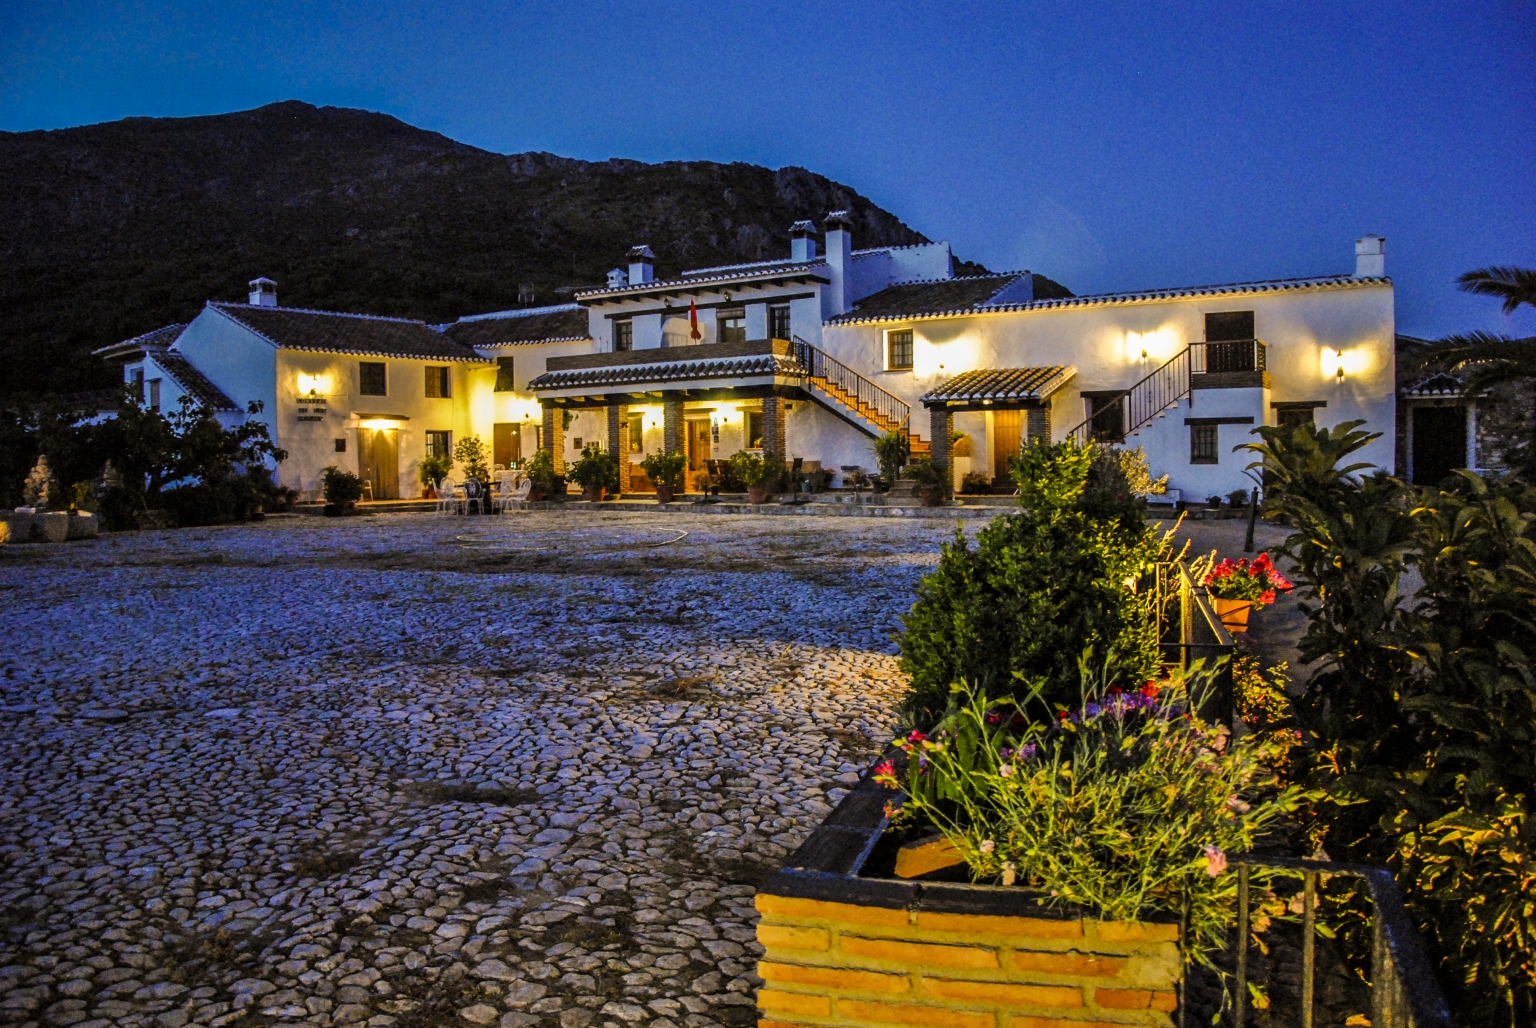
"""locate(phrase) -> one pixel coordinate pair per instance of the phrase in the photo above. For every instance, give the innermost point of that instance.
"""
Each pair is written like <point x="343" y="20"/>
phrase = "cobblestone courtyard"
<point x="408" y="771"/>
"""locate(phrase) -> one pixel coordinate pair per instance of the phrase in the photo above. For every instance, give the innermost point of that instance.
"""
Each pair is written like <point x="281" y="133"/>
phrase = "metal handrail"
<point x="869" y="400"/>
<point x="1146" y="399"/>
<point x="1404" y="991"/>
<point x="1198" y="634"/>
<point x="1219" y="356"/>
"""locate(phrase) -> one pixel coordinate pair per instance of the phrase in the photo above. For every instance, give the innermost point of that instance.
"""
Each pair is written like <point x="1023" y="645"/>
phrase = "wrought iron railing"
<point x="1189" y="630"/>
<point x="1228" y="355"/>
<point x="1404" y="992"/>
<point x="852" y="389"/>
<point x="1139" y="404"/>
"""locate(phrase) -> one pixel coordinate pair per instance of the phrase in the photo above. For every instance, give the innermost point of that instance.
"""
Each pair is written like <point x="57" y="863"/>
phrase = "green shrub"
<point x="928" y="475"/>
<point x="596" y="469"/>
<point x="541" y="471"/>
<point x="665" y="469"/>
<point x="1128" y="806"/>
<point x="340" y="487"/>
<point x="434" y="469"/>
<point x="752" y="470"/>
<point x="976" y="482"/>
<point x="892" y="451"/>
<point x="470" y="453"/>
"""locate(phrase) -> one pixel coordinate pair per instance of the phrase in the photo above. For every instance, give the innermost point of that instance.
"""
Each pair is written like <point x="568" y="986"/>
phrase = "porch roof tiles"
<point x="131" y="348"/>
<point x="1001" y="386"/>
<point x="193" y="381"/>
<point x="752" y="366"/>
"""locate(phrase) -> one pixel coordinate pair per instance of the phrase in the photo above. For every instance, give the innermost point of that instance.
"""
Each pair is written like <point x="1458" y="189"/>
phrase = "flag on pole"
<point x="693" y="321"/>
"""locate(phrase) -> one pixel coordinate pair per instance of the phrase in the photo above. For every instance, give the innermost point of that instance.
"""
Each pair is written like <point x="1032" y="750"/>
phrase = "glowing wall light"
<point x="377" y="423"/>
<point x="1340" y="364"/>
<point x="1156" y="345"/>
<point x="314" y="385"/>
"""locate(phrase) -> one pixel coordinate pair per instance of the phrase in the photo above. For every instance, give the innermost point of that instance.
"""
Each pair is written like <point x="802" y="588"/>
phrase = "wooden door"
<point x="698" y="448"/>
<point x="378" y="460"/>
<point x="506" y="443"/>
<point x="1007" y="436"/>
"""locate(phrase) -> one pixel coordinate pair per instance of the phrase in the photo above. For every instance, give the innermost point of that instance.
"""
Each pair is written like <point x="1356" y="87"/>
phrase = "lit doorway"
<point x="378" y="461"/>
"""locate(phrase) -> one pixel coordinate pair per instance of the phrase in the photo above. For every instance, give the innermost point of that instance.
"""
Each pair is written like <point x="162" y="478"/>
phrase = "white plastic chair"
<point x="447" y="497"/>
<point x="474" y="496"/>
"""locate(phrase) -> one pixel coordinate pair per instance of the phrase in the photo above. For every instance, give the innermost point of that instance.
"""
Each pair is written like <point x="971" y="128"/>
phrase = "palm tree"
<point x="1513" y="285"/>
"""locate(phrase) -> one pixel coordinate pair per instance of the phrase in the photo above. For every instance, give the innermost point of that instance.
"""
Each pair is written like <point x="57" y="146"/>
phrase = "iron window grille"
<point x="439" y="444"/>
<point x="1202" y="444"/>
<point x="731" y="325"/>
<point x="623" y="336"/>
<point x="437" y="381"/>
<point x="898" y="349"/>
<point x="778" y="321"/>
<point x="505" y="383"/>
<point x="372" y="379"/>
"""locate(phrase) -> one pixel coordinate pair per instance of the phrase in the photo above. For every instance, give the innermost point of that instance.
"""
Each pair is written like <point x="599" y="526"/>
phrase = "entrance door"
<point x="1007" y="440"/>
<point x="378" y="461"/>
<point x="506" y="443"/>
<point x="698" y="448"/>
<point x="1439" y="442"/>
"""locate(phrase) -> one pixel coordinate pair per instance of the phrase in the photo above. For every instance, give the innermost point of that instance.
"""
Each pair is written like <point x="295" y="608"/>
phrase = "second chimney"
<point x="641" y="265"/>
<point x="1370" y="257"/>
<point x="802" y="242"/>
<point x="263" y="292"/>
<point x="839" y="228"/>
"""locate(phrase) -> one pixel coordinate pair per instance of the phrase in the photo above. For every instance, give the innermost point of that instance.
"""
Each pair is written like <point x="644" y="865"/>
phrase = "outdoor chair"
<point x="506" y="492"/>
<point x="447" y="497"/>
<point x="474" y="496"/>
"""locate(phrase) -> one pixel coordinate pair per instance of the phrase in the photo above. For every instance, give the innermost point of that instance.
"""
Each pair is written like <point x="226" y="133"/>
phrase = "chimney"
<point x="641" y="270"/>
<point x="1370" y="257"/>
<point x="802" y="242"/>
<point x="263" y="292"/>
<point x="618" y="278"/>
<point x="839" y="228"/>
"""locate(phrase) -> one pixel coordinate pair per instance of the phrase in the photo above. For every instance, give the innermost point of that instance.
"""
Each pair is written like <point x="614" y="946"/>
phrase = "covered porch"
<point x="1013" y="404"/>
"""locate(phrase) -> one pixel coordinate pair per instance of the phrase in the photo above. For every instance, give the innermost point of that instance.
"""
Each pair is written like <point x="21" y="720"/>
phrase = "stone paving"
<point x="407" y="770"/>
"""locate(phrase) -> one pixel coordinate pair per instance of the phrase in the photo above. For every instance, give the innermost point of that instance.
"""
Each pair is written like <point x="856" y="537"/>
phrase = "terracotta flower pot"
<point x="1233" y="613"/>
<point x="428" y="493"/>
<point x="665" y="493"/>
<point x="757" y="494"/>
<point x="595" y="494"/>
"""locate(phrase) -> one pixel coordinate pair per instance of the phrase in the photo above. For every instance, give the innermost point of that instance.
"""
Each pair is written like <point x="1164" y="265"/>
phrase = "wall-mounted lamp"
<point x="314" y="385"/>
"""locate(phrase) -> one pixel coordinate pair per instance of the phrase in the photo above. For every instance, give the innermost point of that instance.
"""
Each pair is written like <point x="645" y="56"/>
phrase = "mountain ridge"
<point x="114" y="229"/>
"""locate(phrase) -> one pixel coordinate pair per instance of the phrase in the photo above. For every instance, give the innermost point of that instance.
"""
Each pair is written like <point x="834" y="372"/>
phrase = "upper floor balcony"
<point x="1228" y="364"/>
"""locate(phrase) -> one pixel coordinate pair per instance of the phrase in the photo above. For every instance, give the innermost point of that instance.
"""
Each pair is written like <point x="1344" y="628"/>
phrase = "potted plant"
<point x="540" y="470"/>
<point x="756" y="473"/>
<point x="342" y="490"/>
<point x="932" y="481"/>
<point x="1237" y="588"/>
<point x="891" y="453"/>
<point x="596" y="472"/>
<point x="666" y="471"/>
<point x="432" y="471"/>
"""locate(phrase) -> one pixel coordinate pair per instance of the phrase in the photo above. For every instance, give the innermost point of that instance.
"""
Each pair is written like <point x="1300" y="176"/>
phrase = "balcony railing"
<point x="1215" y="358"/>
<point x="871" y="402"/>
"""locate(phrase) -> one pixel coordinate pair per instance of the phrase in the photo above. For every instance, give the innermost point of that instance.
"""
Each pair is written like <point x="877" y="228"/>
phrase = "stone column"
<point x="672" y="425"/>
<point x="941" y="423"/>
<point x="773" y="427"/>
<point x="554" y="435"/>
<point x="618" y="441"/>
<point x="1037" y="424"/>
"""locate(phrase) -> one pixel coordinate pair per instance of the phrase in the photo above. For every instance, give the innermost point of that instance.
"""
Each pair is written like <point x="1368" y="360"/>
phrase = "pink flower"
<point x="1006" y="771"/>
<point x="916" y="737"/>
<point x="885" y="774"/>
<point x="1215" y="861"/>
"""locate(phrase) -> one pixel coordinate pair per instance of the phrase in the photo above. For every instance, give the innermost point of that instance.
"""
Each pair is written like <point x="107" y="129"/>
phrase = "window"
<point x="1293" y="417"/>
<point x="1202" y="444"/>
<point x="636" y="433"/>
<point x="371" y="379"/>
<point x="505" y="383"/>
<point x="439" y="444"/>
<point x="437" y="381"/>
<point x="137" y="382"/>
<point x="506" y="444"/>
<point x="754" y="422"/>
<point x="623" y="336"/>
<point x="731" y="325"/>
<point x="778" y="321"/>
<point x="898" y="350"/>
<point x="154" y="394"/>
<point x="341" y="446"/>
<point x="1227" y="325"/>
<point x="1108" y="412"/>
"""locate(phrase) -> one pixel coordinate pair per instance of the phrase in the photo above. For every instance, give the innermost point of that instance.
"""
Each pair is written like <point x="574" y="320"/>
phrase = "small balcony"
<point x="1229" y="364"/>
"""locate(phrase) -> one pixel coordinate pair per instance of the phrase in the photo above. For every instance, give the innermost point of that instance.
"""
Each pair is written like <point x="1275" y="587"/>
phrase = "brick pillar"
<point x="1037" y="424"/>
<point x="941" y="423"/>
<point x="672" y="425"/>
<point x="773" y="427"/>
<point x="618" y="441"/>
<point x="554" y="436"/>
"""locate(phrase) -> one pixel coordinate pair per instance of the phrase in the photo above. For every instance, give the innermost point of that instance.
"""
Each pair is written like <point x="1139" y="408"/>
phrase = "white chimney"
<point x="263" y="292"/>
<point x="839" y="228"/>
<point x="641" y="269"/>
<point x="618" y="278"/>
<point x="1370" y="257"/>
<point x="802" y="242"/>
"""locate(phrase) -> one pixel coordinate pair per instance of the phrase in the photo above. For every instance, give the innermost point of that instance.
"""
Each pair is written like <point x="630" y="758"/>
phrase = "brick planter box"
<point x="843" y="948"/>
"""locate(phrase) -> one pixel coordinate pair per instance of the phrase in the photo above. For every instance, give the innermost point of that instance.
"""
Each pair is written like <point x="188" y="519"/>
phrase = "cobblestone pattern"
<point x="411" y="771"/>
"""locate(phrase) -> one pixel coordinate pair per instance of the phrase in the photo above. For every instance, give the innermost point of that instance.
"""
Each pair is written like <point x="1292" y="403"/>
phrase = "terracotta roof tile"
<point x="158" y="339"/>
<point x="521" y="330"/>
<point x="194" y="381"/>
<point x="941" y="296"/>
<point x="672" y="371"/>
<point x="1002" y="385"/>
<point x="329" y="332"/>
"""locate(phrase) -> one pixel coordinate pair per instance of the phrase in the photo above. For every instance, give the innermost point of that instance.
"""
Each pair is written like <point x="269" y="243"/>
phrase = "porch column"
<point x="941" y="424"/>
<point x="554" y="435"/>
<point x="773" y="426"/>
<point x="618" y="441"/>
<point x="672" y="425"/>
<point x="1037" y="423"/>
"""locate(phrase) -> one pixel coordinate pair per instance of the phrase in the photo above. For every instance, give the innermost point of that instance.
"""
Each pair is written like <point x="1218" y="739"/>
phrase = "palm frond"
<point x="1514" y="286"/>
<point x="1481" y="360"/>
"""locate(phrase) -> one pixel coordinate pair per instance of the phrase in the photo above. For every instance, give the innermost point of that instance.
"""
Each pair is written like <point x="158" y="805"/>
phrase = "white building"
<point x="809" y="357"/>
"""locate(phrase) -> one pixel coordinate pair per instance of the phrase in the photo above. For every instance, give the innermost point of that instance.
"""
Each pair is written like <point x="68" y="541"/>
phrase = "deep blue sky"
<point x="1111" y="147"/>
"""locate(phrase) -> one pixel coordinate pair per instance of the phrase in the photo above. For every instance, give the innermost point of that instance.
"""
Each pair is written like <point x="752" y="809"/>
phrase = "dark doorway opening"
<point x="1439" y="442"/>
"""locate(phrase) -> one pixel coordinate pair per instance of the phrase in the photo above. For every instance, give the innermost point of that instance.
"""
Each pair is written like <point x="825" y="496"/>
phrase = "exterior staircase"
<point x="852" y="397"/>
<point x="1150" y="398"/>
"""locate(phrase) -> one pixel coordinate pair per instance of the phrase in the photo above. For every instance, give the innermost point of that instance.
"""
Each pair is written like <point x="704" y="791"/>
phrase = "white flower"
<point x="987" y="846"/>
<point x="1006" y="770"/>
<point x="1008" y="873"/>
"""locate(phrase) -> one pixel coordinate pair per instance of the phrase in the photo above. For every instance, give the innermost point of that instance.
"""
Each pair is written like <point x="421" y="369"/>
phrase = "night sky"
<point x="1118" y="147"/>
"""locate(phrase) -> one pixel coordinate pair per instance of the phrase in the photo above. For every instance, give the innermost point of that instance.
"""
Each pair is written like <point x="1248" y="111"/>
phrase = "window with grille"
<point x="778" y="321"/>
<point x="623" y="336"/>
<point x="505" y="383"/>
<point x="731" y="325"/>
<point x="1202" y="444"/>
<point x="437" y="381"/>
<point x="1294" y="416"/>
<point x="898" y="350"/>
<point x="371" y="379"/>
<point x="439" y="444"/>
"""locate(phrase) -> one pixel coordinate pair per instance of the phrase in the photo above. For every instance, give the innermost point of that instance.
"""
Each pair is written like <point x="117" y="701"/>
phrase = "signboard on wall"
<point x="312" y="408"/>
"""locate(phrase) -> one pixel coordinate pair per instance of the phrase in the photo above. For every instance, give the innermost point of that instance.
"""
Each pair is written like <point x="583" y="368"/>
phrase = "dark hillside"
<point x="111" y="230"/>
